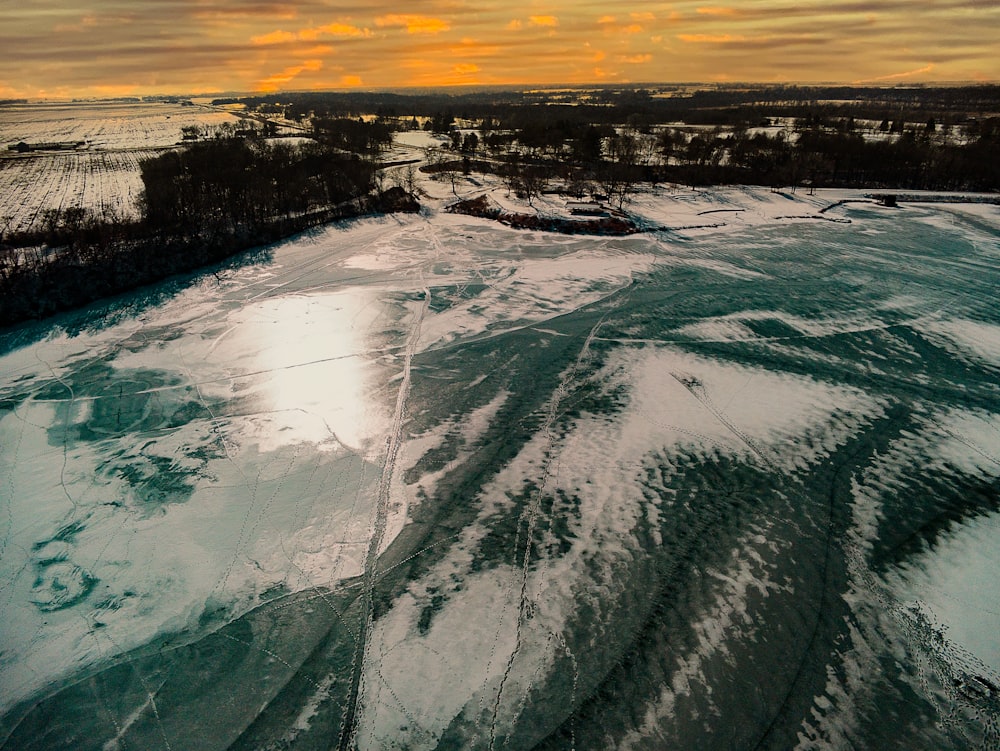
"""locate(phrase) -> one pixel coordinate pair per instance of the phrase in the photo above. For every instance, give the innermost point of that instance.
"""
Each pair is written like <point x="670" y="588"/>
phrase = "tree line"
<point x="607" y="140"/>
<point x="814" y="151"/>
<point x="615" y="105"/>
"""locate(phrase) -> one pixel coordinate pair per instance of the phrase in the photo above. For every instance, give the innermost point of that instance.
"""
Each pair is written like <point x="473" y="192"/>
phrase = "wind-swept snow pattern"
<point x="434" y="483"/>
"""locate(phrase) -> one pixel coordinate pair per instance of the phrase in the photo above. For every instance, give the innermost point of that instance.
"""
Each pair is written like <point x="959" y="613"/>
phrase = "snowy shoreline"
<point x="676" y="209"/>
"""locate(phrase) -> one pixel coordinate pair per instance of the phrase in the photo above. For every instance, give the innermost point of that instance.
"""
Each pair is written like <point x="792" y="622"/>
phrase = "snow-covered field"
<point x="106" y="182"/>
<point x="104" y="125"/>
<point x="431" y="482"/>
<point x="103" y="174"/>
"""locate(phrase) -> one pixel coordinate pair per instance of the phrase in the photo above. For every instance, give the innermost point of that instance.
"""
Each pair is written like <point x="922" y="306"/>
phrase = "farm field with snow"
<point x="102" y="173"/>
<point x="426" y="482"/>
<point x="104" y="125"/>
<point x="108" y="183"/>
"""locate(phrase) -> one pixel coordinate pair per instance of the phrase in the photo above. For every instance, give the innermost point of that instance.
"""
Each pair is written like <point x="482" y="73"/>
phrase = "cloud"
<point x="334" y="30"/>
<point x="186" y="46"/>
<point x="710" y="38"/>
<point x="278" y="80"/>
<point x="115" y="90"/>
<point x="8" y="91"/>
<point x="475" y="48"/>
<point x="318" y="50"/>
<point x="739" y="44"/>
<point x="91" y="21"/>
<point x="544" y="21"/>
<point x="610" y="24"/>
<point x="221" y="11"/>
<point x="274" y="37"/>
<point x="413" y="24"/>
<point x="465" y="69"/>
<point x="896" y="76"/>
<point x="85" y="23"/>
<point x="310" y="34"/>
<point x="636" y="59"/>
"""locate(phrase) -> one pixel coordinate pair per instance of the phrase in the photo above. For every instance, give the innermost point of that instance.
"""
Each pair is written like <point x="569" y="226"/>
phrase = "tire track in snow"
<point x="349" y="727"/>
<point x="532" y="511"/>
<point x="698" y="391"/>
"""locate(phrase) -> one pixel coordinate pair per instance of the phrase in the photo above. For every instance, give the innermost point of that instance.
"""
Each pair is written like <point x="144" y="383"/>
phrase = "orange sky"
<point x="58" y="48"/>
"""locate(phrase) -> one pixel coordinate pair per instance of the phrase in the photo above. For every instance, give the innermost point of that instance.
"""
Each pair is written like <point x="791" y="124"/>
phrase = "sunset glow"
<point x="178" y="46"/>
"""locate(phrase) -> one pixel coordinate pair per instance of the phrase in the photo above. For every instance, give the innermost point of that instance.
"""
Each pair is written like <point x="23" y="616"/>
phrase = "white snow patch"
<point x="788" y="421"/>
<point x="722" y="267"/>
<point x="404" y="496"/>
<point x="733" y="326"/>
<point x="968" y="339"/>
<point x="535" y="290"/>
<point x="952" y="583"/>
<point x="725" y="619"/>
<point x="415" y="685"/>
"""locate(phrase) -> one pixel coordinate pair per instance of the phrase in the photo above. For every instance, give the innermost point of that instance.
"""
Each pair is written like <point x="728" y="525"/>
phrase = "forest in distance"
<point x="227" y="189"/>
<point x="910" y="137"/>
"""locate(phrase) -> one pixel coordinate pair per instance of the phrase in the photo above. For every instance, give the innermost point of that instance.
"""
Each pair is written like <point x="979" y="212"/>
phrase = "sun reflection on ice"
<point x="308" y="361"/>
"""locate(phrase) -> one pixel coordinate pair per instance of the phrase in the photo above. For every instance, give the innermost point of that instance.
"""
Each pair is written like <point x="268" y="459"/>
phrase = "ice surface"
<point x="536" y="290"/>
<point x="432" y="482"/>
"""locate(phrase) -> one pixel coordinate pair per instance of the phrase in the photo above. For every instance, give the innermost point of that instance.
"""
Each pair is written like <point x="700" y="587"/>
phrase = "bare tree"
<point x="619" y="174"/>
<point x="532" y="181"/>
<point x="378" y="178"/>
<point x="406" y="178"/>
<point x="443" y="164"/>
<point x="511" y="173"/>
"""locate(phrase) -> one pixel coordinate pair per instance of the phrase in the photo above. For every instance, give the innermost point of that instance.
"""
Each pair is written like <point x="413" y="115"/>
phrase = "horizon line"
<point x="472" y="87"/>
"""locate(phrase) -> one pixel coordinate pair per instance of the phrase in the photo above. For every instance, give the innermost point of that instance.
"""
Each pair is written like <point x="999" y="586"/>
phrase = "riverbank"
<point x="40" y="281"/>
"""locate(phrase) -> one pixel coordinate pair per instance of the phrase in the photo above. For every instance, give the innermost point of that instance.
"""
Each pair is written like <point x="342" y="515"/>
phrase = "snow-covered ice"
<point x="436" y="482"/>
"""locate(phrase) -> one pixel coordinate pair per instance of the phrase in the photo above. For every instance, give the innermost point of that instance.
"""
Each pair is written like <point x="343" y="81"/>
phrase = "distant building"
<point x="586" y="208"/>
<point x="23" y="147"/>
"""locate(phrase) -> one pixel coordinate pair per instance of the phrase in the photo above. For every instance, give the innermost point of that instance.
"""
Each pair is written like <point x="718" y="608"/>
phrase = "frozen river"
<point x="432" y="483"/>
